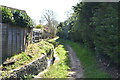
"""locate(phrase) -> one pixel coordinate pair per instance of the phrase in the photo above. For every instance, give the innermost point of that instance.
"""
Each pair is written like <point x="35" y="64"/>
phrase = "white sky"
<point x="34" y="8"/>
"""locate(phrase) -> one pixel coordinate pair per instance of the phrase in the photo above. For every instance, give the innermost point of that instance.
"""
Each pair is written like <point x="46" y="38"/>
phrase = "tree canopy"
<point x="94" y="24"/>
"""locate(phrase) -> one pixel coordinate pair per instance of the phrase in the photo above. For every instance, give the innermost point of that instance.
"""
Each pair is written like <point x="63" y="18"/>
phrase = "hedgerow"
<point x="16" y="17"/>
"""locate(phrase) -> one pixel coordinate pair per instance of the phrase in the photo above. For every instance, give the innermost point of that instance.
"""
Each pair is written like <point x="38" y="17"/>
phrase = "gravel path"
<point x="76" y="70"/>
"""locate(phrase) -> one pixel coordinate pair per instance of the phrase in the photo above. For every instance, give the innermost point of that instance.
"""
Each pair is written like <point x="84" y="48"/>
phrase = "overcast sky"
<point x="34" y="8"/>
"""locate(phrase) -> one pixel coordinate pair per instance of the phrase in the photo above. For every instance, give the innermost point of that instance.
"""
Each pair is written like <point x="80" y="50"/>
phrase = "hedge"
<point x="15" y="17"/>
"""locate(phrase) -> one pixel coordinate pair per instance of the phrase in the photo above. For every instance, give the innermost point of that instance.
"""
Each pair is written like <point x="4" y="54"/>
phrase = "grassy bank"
<point x="60" y="68"/>
<point x="34" y="51"/>
<point x="88" y="61"/>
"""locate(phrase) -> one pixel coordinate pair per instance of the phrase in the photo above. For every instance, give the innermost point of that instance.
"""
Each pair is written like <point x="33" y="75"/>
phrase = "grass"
<point x="60" y="69"/>
<point x="88" y="61"/>
<point x="54" y="41"/>
<point x="20" y="59"/>
<point x="34" y="51"/>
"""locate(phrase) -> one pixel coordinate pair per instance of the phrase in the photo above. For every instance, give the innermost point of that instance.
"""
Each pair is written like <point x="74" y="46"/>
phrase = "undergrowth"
<point x="59" y="69"/>
<point x="34" y="51"/>
<point x="88" y="61"/>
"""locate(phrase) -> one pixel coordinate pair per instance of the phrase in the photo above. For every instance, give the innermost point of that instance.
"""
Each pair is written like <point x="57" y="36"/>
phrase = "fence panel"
<point x="4" y="41"/>
<point x="12" y="40"/>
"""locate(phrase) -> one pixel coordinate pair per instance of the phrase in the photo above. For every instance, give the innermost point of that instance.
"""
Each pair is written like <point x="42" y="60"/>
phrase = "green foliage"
<point x="60" y="69"/>
<point x="5" y="74"/>
<point x="96" y="26"/>
<point x="6" y="15"/>
<point x="37" y="49"/>
<point x="33" y="52"/>
<point x="20" y="59"/>
<point x="16" y="17"/>
<point x="59" y="29"/>
<point x="106" y="31"/>
<point x="53" y="41"/>
<point x="38" y="26"/>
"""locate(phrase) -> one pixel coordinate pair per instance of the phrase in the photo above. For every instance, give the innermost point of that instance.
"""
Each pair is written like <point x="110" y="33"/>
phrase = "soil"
<point x="76" y="69"/>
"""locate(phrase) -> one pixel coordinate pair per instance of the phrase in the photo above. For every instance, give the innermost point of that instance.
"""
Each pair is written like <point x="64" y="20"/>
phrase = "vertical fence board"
<point x="9" y="41"/>
<point x="0" y="43"/>
<point x="18" y="40"/>
<point x="4" y="41"/>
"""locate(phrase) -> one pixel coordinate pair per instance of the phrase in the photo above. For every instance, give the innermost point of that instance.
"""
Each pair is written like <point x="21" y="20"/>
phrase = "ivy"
<point x="6" y="15"/>
<point x="16" y="17"/>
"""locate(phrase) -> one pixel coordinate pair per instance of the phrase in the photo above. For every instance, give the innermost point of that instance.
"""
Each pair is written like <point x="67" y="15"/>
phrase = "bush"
<point x="16" y="17"/>
<point x="38" y="26"/>
<point x="33" y="52"/>
<point x="96" y="26"/>
<point x="106" y="31"/>
<point x="42" y="47"/>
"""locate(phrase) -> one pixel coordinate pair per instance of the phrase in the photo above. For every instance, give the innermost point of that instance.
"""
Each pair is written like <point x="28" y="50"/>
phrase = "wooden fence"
<point x="13" y="40"/>
<point x="0" y="43"/>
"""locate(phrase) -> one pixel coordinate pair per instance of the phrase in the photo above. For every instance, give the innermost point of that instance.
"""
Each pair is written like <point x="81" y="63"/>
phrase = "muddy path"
<point x="76" y="70"/>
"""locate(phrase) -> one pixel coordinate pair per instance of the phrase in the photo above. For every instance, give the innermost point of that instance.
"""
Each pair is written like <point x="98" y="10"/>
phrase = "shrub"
<point x="16" y="17"/>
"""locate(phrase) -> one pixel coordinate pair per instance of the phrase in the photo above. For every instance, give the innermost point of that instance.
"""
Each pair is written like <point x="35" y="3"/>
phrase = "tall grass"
<point x="60" y="69"/>
<point x="88" y="61"/>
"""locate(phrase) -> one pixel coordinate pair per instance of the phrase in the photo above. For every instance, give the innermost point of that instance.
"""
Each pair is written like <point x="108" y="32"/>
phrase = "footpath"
<point x="76" y="70"/>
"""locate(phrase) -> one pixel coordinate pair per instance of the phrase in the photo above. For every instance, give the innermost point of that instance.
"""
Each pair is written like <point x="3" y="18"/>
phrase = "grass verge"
<point x="60" y="68"/>
<point x="34" y="51"/>
<point x="88" y="61"/>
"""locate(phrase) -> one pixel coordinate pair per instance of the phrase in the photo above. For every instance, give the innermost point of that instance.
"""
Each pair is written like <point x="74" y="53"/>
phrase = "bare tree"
<point x="49" y="17"/>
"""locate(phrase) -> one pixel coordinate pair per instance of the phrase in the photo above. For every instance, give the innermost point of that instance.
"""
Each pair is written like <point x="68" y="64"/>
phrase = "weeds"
<point x="88" y="61"/>
<point x="59" y="69"/>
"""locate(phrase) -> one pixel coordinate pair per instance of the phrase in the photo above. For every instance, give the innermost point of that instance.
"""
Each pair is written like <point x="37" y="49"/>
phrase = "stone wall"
<point x="33" y="68"/>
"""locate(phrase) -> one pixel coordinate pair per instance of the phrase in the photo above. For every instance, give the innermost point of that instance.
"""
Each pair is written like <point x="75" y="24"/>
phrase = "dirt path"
<point x="76" y="70"/>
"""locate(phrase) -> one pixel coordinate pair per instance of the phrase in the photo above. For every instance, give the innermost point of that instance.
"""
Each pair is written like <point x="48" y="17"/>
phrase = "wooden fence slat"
<point x="0" y="43"/>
